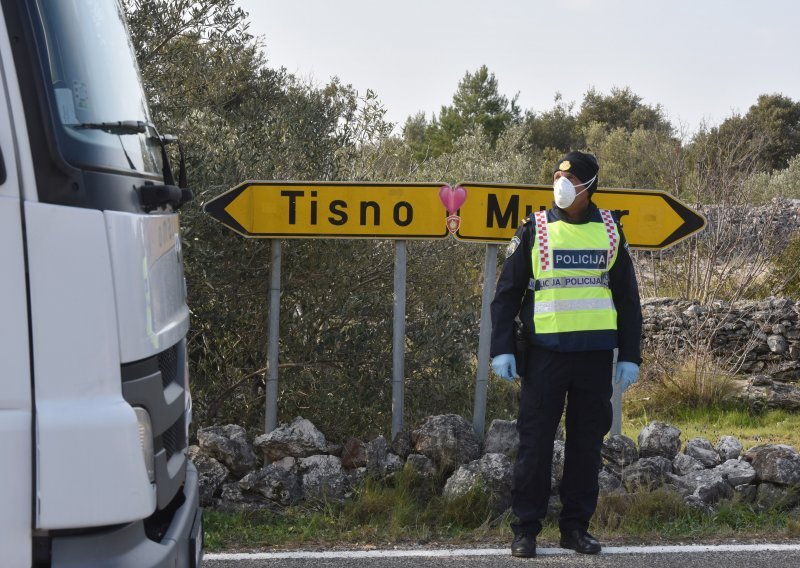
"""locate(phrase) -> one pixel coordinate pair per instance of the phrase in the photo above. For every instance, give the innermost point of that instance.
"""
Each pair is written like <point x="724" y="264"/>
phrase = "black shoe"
<point x="580" y="541"/>
<point x="523" y="546"/>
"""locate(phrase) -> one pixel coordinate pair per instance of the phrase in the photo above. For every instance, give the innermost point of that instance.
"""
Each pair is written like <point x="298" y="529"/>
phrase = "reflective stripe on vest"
<point x="573" y="306"/>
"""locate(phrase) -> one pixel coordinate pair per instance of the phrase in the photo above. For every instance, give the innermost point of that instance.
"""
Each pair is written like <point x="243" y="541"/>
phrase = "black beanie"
<point x="583" y="166"/>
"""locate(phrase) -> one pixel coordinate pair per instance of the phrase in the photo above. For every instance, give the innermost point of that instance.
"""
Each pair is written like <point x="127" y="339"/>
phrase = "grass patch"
<point x="407" y="514"/>
<point x="662" y="516"/>
<point x="752" y="429"/>
<point x="410" y="510"/>
<point x="659" y="516"/>
<point x="694" y="383"/>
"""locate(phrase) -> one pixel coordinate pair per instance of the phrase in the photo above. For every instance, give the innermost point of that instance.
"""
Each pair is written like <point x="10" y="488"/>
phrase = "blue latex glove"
<point x="505" y="366"/>
<point x="627" y="374"/>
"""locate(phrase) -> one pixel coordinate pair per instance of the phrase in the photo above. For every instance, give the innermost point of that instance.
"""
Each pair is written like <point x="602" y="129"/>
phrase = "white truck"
<point x="94" y="394"/>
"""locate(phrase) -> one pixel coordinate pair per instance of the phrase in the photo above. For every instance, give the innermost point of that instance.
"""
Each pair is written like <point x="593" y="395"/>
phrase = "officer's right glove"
<point x="505" y="366"/>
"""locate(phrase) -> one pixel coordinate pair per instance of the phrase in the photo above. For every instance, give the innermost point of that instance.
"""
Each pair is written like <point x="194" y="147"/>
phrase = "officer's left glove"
<point x="505" y="366"/>
<point x="627" y="374"/>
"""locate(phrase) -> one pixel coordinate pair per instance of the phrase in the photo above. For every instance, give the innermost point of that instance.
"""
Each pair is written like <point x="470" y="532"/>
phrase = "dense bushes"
<point x="208" y="81"/>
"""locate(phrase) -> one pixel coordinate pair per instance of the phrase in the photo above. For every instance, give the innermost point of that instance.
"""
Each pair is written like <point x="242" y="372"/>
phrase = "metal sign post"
<point x="399" y="338"/>
<point x="273" y="335"/>
<point x="484" y="339"/>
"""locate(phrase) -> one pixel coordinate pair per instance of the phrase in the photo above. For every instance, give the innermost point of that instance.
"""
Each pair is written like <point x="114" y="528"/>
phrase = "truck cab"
<point x="94" y="392"/>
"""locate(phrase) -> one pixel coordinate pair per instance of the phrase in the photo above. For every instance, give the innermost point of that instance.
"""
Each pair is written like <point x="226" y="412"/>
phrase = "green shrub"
<point x="784" y="278"/>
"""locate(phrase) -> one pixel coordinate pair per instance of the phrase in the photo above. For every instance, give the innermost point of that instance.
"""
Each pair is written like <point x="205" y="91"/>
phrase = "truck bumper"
<point x="181" y="545"/>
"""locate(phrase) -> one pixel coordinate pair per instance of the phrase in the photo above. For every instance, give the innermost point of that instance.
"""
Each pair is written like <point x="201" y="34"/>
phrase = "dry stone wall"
<point x="445" y="448"/>
<point x="780" y="218"/>
<point x="747" y="337"/>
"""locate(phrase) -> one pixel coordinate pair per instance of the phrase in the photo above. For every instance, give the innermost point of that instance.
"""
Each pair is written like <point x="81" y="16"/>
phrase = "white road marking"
<point x="454" y="552"/>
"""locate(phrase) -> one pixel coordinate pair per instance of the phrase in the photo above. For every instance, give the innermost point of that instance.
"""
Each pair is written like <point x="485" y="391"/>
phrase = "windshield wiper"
<point x="151" y="195"/>
<point x="119" y="127"/>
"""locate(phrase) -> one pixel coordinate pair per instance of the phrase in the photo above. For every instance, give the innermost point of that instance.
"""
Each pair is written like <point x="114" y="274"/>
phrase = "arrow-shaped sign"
<point x="487" y="213"/>
<point x="332" y="210"/>
<point x="651" y="219"/>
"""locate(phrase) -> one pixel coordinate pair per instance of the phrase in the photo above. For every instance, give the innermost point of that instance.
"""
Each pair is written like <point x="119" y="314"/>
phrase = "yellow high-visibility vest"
<point x="573" y="309"/>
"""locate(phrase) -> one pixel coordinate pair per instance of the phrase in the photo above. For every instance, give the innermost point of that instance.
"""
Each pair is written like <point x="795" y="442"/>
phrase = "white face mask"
<point x="564" y="191"/>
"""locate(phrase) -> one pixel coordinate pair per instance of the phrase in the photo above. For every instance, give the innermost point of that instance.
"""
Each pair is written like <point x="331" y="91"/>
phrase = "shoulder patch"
<point x="512" y="246"/>
<point x="526" y="220"/>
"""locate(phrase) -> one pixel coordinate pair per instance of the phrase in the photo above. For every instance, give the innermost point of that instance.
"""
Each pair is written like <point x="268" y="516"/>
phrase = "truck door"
<point x="16" y="493"/>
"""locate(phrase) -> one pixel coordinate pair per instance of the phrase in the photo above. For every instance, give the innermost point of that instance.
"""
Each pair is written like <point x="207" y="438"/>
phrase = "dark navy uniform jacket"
<point x="513" y="296"/>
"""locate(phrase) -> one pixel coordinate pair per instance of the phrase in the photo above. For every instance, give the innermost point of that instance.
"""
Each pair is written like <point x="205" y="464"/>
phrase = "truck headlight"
<point x="146" y="441"/>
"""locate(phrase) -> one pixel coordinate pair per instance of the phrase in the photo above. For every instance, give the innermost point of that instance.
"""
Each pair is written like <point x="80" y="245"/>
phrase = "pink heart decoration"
<point x="452" y="197"/>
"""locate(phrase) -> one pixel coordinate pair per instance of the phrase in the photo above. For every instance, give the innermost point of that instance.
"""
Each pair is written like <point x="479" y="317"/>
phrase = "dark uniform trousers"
<point x="583" y="380"/>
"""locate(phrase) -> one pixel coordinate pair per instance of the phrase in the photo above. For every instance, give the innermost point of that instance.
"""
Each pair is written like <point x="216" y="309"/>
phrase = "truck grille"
<point x="168" y="365"/>
<point x="173" y="439"/>
<point x="157" y="385"/>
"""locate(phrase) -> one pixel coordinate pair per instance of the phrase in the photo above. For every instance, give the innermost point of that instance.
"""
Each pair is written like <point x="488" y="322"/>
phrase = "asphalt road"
<point x="553" y="558"/>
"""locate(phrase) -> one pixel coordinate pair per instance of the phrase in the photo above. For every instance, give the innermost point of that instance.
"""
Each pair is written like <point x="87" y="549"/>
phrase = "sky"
<point x="701" y="60"/>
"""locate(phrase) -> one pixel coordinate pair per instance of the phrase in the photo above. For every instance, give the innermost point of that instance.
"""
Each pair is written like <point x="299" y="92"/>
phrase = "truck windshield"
<point x="96" y="91"/>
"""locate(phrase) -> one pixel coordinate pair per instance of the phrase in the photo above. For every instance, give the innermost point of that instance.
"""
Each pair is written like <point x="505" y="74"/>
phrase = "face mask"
<point x="564" y="191"/>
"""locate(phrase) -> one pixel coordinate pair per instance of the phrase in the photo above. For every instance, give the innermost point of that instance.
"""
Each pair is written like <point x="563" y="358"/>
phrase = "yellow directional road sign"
<point x="332" y="210"/>
<point x="651" y="219"/>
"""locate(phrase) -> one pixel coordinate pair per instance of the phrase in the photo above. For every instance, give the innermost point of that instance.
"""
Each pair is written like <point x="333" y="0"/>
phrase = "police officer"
<point x="569" y="278"/>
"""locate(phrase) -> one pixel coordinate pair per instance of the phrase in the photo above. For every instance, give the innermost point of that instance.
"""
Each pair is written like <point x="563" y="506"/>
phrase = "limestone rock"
<point x="697" y="503"/>
<point x="211" y="475"/>
<point x="707" y="485"/>
<point x="376" y="452"/>
<point x="684" y="464"/>
<point x="774" y="395"/>
<point x="232" y="500"/>
<point x="448" y="440"/>
<point x="736" y="472"/>
<point x="323" y="478"/>
<point x="702" y="450"/>
<point x="274" y="483"/>
<point x="553" y="508"/>
<point x="775" y="463"/>
<point x="760" y="381"/>
<point x="729" y="448"/>
<point x="619" y="450"/>
<point x="299" y="439"/>
<point x="608" y="482"/>
<point x="394" y="463"/>
<point x="491" y="473"/>
<point x="659" y="439"/>
<point x="356" y="477"/>
<point x="746" y="492"/>
<point x="557" y="470"/>
<point x="773" y="496"/>
<point x="288" y="463"/>
<point x="787" y="371"/>
<point x="228" y="444"/>
<point x="647" y="473"/>
<point x="401" y="445"/>
<point x="421" y="464"/>
<point x="777" y="344"/>
<point x="380" y="461"/>
<point x="502" y="438"/>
